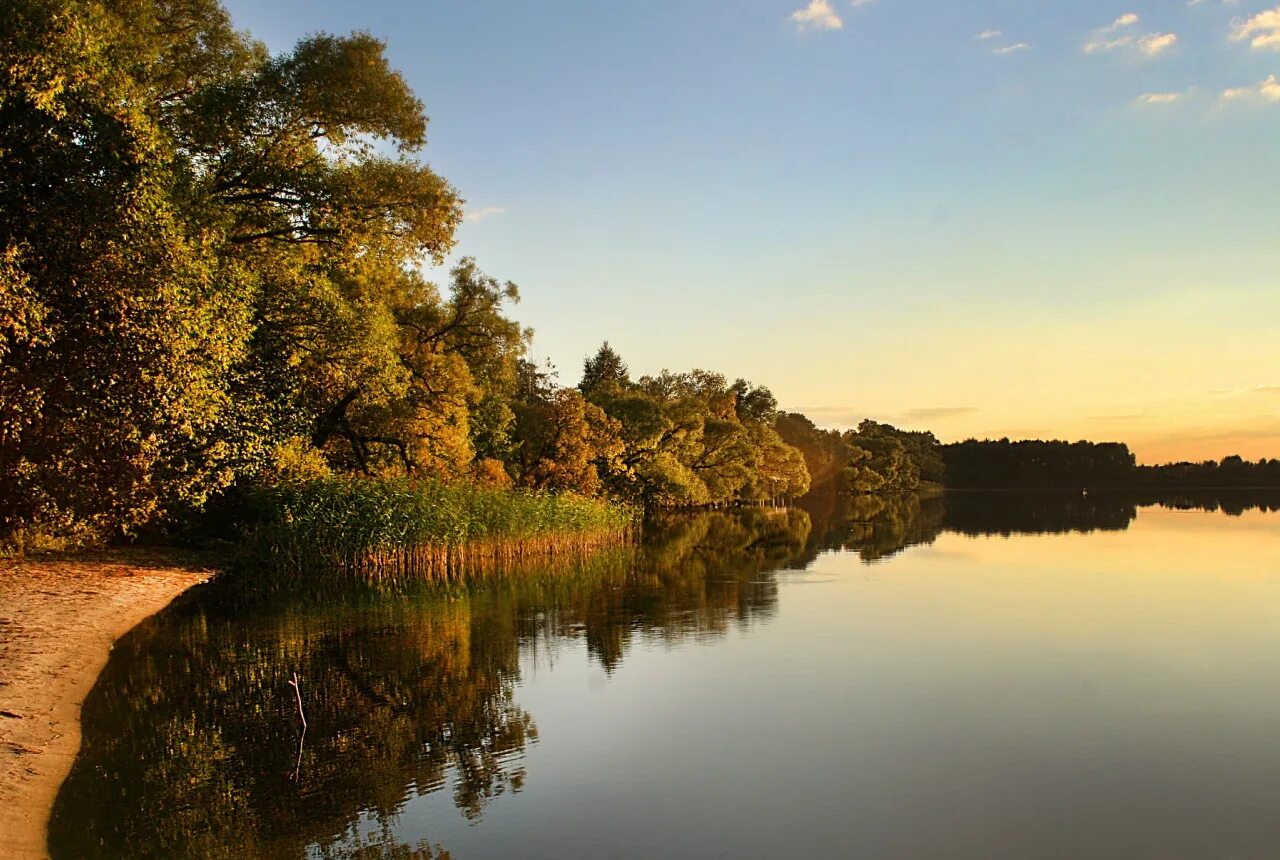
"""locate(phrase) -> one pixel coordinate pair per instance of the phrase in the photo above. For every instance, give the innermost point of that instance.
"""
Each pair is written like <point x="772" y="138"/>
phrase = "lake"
<point x="977" y="675"/>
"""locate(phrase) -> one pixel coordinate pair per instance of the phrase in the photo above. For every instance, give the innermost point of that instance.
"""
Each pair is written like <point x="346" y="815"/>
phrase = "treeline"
<point x="211" y="282"/>
<point x="1230" y="471"/>
<point x="1033" y="463"/>
<point x="1055" y="464"/>
<point x="874" y="458"/>
<point x="211" y="277"/>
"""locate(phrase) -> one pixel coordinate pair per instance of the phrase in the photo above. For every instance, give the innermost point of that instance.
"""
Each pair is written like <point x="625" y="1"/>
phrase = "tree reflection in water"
<point x="191" y="740"/>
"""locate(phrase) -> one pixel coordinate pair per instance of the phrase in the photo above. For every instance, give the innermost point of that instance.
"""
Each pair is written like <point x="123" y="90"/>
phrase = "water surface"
<point x="982" y="675"/>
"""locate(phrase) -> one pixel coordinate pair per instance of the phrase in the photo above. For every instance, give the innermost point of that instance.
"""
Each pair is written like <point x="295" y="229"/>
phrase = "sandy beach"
<point x="59" y="617"/>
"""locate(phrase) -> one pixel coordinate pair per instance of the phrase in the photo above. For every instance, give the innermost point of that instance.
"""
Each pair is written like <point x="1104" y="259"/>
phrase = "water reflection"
<point x="191" y="743"/>
<point x="192" y="747"/>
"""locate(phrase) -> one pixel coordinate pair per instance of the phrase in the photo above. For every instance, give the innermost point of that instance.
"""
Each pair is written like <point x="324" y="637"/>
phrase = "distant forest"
<point x="211" y="266"/>
<point x="1033" y="463"/>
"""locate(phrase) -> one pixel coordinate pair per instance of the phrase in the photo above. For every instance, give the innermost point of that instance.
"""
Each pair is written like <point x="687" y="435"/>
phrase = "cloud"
<point x="475" y="216"/>
<point x="1262" y="30"/>
<point x="818" y="15"/>
<point x="1268" y="91"/>
<point x="1150" y="44"/>
<point x="856" y="3"/>
<point x="1160" y="98"/>
<point x="1157" y="42"/>
<point x="1011" y="49"/>
<point x="1128" y="19"/>
<point x="832" y="417"/>
<point x="1105" y="39"/>
<point x="938" y="413"/>
<point x="1257" y="389"/>
<point x="989" y="34"/>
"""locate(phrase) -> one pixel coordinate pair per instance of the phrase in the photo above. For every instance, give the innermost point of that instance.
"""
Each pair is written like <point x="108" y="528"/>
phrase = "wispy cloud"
<point x="818" y="15"/>
<point x="1160" y="98"/>
<point x="1116" y="419"/>
<point x="1267" y="91"/>
<point x="475" y="216"/>
<point x="1128" y="19"/>
<point x="1157" y="42"/>
<point x="1256" y="389"/>
<point x="938" y="413"/>
<point x="1262" y="30"/>
<point x="1112" y="37"/>
<point x="832" y="417"/>
<point x="1011" y="49"/>
<point x="847" y="417"/>
<point x="989" y="34"/>
<point x="856" y="3"/>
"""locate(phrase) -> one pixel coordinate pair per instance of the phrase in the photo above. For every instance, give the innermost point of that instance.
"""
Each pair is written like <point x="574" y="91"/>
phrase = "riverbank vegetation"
<point x="212" y="282"/>
<point x="211" y="277"/>
<point x="399" y="530"/>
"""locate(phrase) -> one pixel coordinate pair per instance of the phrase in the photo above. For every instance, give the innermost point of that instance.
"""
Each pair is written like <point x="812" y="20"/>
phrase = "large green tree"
<point x="118" y="323"/>
<point x="207" y="251"/>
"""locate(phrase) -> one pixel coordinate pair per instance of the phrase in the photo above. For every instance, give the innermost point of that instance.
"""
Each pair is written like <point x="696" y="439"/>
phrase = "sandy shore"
<point x="58" y="620"/>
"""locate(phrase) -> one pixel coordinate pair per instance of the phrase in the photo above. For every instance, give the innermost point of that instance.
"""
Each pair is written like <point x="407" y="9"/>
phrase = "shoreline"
<point x="60" y="616"/>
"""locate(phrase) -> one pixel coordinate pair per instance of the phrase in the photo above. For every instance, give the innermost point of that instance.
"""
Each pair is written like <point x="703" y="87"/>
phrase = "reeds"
<point x="388" y="531"/>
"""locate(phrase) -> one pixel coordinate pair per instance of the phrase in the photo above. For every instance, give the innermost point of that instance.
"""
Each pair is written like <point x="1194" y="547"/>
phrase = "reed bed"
<point x="402" y="530"/>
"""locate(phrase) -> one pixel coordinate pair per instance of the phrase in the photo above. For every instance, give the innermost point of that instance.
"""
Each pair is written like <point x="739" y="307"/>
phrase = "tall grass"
<point x="384" y="531"/>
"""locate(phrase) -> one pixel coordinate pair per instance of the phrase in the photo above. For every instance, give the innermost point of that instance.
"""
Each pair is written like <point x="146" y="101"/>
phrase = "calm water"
<point x="980" y="676"/>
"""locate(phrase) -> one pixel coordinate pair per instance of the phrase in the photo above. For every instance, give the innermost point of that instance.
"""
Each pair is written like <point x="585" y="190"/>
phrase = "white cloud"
<point x="1160" y="98"/>
<point x="1105" y="39"/>
<point x="1128" y="19"/>
<point x="818" y="15"/>
<point x="1262" y="30"/>
<point x="1268" y="90"/>
<point x="1157" y="42"/>
<point x="475" y="216"/>
<point x="1011" y="49"/>
<point x="989" y="34"/>
<point x="1097" y="46"/>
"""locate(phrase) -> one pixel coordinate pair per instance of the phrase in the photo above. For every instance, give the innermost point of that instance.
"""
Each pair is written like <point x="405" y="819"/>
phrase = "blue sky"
<point x="1066" y="228"/>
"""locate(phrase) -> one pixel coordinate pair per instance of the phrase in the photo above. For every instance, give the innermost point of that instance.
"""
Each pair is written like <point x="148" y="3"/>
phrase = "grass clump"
<point x="389" y="530"/>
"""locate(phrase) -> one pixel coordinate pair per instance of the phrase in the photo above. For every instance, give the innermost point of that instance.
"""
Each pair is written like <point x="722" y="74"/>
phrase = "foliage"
<point x="212" y="279"/>
<point x="1034" y="463"/>
<point x="119" y="327"/>
<point x="404" y="529"/>
<point x="692" y="439"/>
<point x="875" y="458"/>
<point x="210" y="275"/>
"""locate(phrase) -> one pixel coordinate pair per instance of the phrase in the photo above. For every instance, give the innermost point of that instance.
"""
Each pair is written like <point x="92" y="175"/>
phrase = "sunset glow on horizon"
<point x="992" y="219"/>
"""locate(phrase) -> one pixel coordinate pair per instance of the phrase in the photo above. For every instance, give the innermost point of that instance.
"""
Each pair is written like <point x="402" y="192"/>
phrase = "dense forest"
<point x="213" y="279"/>
<point x="1059" y="465"/>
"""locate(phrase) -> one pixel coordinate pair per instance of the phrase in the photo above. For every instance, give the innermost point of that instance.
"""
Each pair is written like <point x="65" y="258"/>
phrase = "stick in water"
<point x="298" y="693"/>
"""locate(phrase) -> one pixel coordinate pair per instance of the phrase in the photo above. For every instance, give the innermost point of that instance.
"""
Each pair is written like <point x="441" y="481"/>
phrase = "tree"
<point x="208" y="253"/>
<point x="118" y="325"/>
<point x="604" y="373"/>
<point x="564" y="442"/>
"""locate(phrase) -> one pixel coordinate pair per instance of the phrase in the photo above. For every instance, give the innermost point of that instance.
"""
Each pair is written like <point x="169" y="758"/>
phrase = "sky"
<point x="985" y="218"/>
